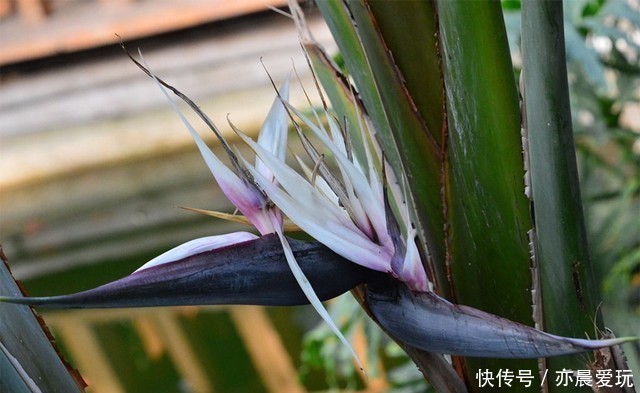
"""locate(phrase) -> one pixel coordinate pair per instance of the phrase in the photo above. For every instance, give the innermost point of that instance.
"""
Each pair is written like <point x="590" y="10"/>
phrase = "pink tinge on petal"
<point x="251" y="203"/>
<point x="240" y="192"/>
<point x="198" y="246"/>
<point x="414" y="276"/>
<point x="413" y="273"/>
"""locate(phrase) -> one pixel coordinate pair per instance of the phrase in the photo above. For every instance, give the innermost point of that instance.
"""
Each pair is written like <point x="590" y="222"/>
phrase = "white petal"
<point x="413" y="273"/>
<point x="198" y="246"/>
<point x="316" y="217"/>
<point x="373" y="207"/>
<point x="336" y="134"/>
<point x="245" y="197"/>
<point x="273" y="134"/>
<point x="295" y="184"/>
<point x="319" y="182"/>
<point x="308" y="290"/>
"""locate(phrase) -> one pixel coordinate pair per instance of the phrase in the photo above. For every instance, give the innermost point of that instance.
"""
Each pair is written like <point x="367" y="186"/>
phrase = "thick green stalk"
<point x="569" y="295"/>
<point x="413" y="44"/>
<point x="27" y="358"/>
<point x="487" y="211"/>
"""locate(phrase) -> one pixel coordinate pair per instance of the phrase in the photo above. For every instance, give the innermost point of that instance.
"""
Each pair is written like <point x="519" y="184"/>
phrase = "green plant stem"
<point x="569" y="293"/>
<point x="487" y="211"/>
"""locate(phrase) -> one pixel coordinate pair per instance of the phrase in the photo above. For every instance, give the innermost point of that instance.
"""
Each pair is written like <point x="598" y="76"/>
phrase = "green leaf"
<point x="28" y="361"/>
<point x="488" y="213"/>
<point x="414" y="47"/>
<point x="561" y="246"/>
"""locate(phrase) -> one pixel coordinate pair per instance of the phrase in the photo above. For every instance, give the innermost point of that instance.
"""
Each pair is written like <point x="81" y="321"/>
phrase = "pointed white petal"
<point x="273" y="134"/>
<point x="413" y="273"/>
<point x="319" y="182"/>
<point x="336" y="134"/>
<point x="243" y="195"/>
<point x="373" y="207"/>
<point x="198" y="246"/>
<point x="319" y="219"/>
<point x="295" y="184"/>
<point x="374" y="179"/>
<point x="308" y="290"/>
<point x="358" y="212"/>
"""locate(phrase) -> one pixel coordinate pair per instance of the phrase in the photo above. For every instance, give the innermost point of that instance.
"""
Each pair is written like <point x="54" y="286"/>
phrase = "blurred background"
<point x="94" y="168"/>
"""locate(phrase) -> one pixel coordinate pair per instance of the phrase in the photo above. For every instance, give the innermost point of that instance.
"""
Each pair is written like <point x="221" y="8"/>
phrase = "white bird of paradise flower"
<point x="348" y="216"/>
